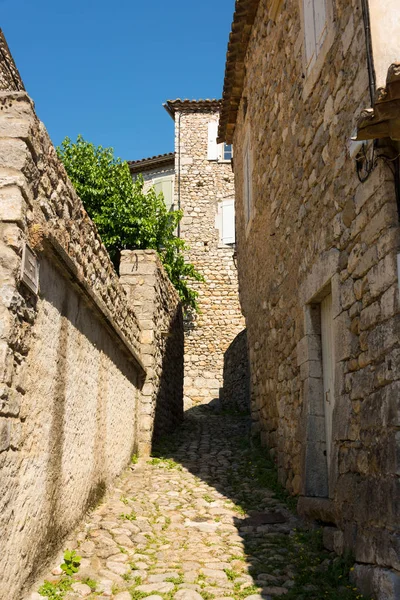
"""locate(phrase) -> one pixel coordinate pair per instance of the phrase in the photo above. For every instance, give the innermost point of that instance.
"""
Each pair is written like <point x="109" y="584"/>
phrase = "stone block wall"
<point x="235" y="393"/>
<point x="201" y="184"/>
<point x="71" y="368"/>
<point x="157" y="306"/>
<point x="314" y="228"/>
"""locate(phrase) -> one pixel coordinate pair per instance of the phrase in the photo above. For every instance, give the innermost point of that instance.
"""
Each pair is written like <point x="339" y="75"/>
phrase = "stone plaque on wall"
<point x="30" y="269"/>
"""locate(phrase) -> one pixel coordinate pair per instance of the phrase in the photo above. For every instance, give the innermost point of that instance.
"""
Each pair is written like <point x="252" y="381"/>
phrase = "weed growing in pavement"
<point x="167" y="463"/>
<point x="231" y="574"/>
<point x="71" y="562"/>
<point x="128" y="517"/>
<point x="90" y="582"/>
<point x="176" y="580"/>
<point x="56" y="590"/>
<point x="136" y="595"/>
<point x="208" y="498"/>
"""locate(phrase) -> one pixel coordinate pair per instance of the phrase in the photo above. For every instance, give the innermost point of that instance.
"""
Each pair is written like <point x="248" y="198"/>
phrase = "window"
<point x="315" y="29"/>
<point x="166" y="186"/>
<point x="220" y="152"/>
<point x="226" y="221"/>
<point x="247" y="183"/>
<point x="225" y="152"/>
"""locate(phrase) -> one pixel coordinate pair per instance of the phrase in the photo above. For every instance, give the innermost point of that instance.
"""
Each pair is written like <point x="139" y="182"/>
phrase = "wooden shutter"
<point x="320" y="23"/>
<point x="165" y="185"/>
<point x="309" y="32"/>
<point x="228" y="221"/>
<point x="212" y="153"/>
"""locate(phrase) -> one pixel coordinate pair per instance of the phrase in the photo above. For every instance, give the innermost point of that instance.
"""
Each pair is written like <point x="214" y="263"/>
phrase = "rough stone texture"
<point x="235" y="393"/>
<point x="71" y="361"/>
<point x="10" y="78"/>
<point x="314" y="224"/>
<point x="70" y="358"/>
<point x="157" y="503"/>
<point x="202" y="184"/>
<point x="157" y="306"/>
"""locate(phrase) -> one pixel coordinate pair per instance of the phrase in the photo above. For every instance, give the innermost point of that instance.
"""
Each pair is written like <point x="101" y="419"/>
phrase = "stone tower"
<point x="198" y="179"/>
<point x="204" y="190"/>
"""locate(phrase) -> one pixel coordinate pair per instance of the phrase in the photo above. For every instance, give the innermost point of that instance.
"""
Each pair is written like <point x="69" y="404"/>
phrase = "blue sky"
<point x="103" y="69"/>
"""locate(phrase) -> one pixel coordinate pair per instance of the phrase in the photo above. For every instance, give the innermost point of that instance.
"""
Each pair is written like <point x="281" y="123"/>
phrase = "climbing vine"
<point x="126" y="216"/>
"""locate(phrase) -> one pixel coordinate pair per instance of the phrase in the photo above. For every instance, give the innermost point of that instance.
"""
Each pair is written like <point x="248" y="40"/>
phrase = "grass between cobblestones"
<point x="249" y="482"/>
<point x="318" y="574"/>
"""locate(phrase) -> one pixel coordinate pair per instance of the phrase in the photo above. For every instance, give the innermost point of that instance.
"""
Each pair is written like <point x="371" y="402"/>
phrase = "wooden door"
<point x="328" y="369"/>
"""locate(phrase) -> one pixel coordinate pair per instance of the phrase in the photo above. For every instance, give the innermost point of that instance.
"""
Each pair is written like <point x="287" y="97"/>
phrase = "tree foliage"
<point x="125" y="215"/>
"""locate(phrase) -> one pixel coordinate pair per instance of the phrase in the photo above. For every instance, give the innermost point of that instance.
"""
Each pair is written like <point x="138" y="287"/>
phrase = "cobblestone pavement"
<point x="197" y="524"/>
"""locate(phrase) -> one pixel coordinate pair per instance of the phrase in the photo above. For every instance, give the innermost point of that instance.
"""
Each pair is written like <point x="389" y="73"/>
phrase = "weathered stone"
<point x="185" y="594"/>
<point x="161" y="587"/>
<point x="81" y="589"/>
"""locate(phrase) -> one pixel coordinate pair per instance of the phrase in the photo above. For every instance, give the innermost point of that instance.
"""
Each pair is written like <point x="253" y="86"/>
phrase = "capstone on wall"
<point x="72" y="399"/>
<point x="315" y="228"/>
<point x="199" y="186"/>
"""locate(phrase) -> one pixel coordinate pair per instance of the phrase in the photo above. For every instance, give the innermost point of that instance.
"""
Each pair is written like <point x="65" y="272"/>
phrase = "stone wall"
<point x="235" y="393"/>
<point x="71" y="370"/>
<point x="202" y="184"/>
<point x="157" y="305"/>
<point x="315" y="228"/>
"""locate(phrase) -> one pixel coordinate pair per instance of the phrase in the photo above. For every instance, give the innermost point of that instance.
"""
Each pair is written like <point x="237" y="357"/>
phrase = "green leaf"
<point x="126" y="216"/>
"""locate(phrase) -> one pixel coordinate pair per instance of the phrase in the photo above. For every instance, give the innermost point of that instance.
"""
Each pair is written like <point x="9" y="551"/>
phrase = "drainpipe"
<point x="368" y="43"/>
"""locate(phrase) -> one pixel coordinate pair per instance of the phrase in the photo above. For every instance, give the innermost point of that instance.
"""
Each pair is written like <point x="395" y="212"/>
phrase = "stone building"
<point x="197" y="178"/>
<point x="318" y="238"/>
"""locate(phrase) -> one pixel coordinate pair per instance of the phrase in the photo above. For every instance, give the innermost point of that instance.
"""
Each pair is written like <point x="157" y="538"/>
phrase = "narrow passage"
<point x="205" y="521"/>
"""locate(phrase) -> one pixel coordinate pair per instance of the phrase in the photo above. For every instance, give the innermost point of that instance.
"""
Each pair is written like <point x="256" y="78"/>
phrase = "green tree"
<point x="125" y="215"/>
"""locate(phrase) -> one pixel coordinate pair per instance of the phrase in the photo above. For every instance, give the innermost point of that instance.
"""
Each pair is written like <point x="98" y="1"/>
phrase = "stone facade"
<point x="157" y="306"/>
<point x="72" y="407"/>
<point x="200" y="186"/>
<point x="307" y="229"/>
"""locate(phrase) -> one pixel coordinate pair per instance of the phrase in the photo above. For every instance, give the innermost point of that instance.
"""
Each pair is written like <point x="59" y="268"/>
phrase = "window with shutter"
<point x="212" y="153"/>
<point x="166" y="186"/>
<point x="315" y="29"/>
<point x="228" y="221"/>
<point x="225" y="221"/>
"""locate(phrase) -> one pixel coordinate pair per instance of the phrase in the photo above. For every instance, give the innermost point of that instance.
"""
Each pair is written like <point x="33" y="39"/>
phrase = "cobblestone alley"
<point x="205" y="521"/>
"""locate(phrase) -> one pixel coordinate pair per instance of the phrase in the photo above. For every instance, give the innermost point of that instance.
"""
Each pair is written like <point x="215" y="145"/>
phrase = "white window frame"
<point x="312" y="67"/>
<point x="221" y="158"/>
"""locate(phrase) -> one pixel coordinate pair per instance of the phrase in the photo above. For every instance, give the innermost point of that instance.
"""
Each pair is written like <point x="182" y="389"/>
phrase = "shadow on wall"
<point x="81" y="399"/>
<point x="169" y="400"/>
<point x="235" y="393"/>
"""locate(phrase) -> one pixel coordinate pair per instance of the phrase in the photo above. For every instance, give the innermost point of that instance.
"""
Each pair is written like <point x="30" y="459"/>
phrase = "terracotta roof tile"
<point x="243" y="20"/>
<point x="145" y="164"/>
<point x="186" y="105"/>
